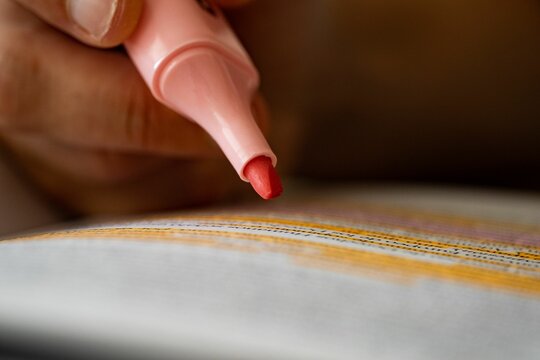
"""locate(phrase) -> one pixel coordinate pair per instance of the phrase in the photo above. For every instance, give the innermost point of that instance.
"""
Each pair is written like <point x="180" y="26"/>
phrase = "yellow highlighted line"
<point x="415" y="213"/>
<point x="326" y="257"/>
<point x="301" y="225"/>
<point x="534" y="250"/>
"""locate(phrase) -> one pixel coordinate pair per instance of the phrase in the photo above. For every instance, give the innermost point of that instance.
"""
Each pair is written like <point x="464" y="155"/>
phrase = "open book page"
<point x="344" y="274"/>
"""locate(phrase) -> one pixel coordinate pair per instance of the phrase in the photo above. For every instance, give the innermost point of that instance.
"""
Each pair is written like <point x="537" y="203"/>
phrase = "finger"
<point x="102" y="23"/>
<point x="92" y="166"/>
<point x="180" y="184"/>
<point x="170" y="184"/>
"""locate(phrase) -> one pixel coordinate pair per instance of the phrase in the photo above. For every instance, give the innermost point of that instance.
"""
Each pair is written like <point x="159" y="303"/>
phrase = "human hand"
<point x="82" y="124"/>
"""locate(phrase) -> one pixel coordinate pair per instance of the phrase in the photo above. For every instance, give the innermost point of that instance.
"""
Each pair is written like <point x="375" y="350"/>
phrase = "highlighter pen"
<point x="194" y="64"/>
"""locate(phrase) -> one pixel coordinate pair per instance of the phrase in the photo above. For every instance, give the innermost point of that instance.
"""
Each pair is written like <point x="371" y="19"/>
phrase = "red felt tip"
<point x="263" y="177"/>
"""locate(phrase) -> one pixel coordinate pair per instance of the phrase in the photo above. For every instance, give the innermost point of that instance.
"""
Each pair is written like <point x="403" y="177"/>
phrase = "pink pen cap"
<point x="193" y="63"/>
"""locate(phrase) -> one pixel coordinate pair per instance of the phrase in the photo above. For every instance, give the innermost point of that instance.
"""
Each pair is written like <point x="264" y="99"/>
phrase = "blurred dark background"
<point x="423" y="90"/>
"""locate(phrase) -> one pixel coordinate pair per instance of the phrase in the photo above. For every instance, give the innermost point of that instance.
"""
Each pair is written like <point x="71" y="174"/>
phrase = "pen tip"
<point x="263" y="177"/>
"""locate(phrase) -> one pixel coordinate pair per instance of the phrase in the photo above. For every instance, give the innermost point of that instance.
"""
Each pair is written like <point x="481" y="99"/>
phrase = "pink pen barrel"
<point x="193" y="63"/>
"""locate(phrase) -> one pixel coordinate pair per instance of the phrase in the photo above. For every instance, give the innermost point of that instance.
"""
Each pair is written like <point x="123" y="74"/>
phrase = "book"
<point x="326" y="273"/>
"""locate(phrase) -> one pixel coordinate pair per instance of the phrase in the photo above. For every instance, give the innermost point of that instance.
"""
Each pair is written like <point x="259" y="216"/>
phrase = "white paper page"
<point x="348" y="275"/>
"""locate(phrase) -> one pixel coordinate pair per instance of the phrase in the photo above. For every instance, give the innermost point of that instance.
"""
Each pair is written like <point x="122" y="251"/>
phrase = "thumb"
<point x="100" y="23"/>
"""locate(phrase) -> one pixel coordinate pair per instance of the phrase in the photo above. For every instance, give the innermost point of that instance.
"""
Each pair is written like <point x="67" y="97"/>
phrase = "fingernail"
<point x="94" y="16"/>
